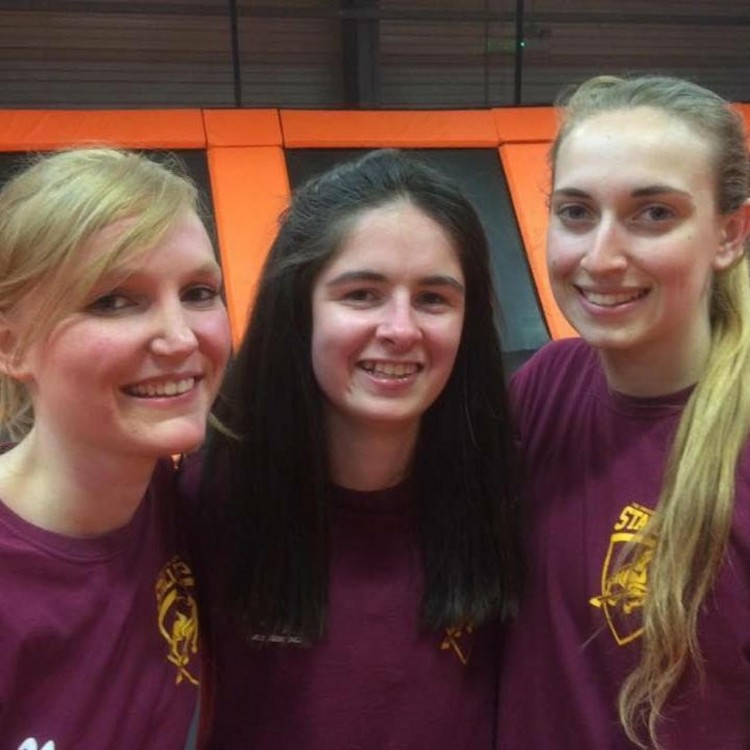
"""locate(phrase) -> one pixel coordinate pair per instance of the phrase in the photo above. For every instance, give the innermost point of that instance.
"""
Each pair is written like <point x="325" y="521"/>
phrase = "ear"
<point x="734" y="230"/>
<point x="11" y="363"/>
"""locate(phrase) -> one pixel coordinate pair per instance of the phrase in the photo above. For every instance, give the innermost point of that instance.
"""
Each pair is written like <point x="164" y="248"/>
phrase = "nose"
<point x="606" y="252"/>
<point x="173" y="335"/>
<point x="399" y="327"/>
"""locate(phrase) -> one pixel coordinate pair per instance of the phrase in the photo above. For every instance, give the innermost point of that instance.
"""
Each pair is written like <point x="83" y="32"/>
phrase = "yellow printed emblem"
<point x="624" y="586"/>
<point x="178" y="616"/>
<point x="453" y="641"/>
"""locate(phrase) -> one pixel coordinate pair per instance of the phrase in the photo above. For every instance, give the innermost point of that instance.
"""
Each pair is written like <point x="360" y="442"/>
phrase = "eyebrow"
<point x="644" y="192"/>
<point x="353" y="276"/>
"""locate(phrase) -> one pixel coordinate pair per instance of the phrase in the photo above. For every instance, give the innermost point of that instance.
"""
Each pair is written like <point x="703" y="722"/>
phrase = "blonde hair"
<point x="49" y="212"/>
<point x="691" y="525"/>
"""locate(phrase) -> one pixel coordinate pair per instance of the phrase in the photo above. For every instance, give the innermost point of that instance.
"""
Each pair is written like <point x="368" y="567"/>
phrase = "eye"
<point x="360" y="296"/>
<point x="110" y="304"/>
<point x="432" y="300"/>
<point x="201" y="295"/>
<point x="573" y="213"/>
<point x="657" y="213"/>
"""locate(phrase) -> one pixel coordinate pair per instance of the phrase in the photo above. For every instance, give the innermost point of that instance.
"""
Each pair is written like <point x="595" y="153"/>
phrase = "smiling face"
<point x="635" y="237"/>
<point x="387" y="314"/>
<point x="134" y="371"/>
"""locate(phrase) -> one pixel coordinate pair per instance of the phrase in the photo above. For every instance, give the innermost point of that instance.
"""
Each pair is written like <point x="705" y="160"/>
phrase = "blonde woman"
<point x="113" y="338"/>
<point x="635" y="629"/>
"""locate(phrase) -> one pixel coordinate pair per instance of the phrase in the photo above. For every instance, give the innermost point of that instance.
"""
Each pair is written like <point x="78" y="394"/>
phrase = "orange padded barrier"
<point x="525" y="135"/>
<point x="745" y="110"/>
<point x="46" y="130"/>
<point x="528" y="176"/>
<point x="242" y="127"/>
<point x="525" y="125"/>
<point x="250" y="187"/>
<point x="455" y="129"/>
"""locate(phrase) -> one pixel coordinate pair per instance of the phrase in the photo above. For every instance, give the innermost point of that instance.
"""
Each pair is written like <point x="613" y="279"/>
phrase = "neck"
<point x="73" y="493"/>
<point x="658" y="370"/>
<point x="367" y="457"/>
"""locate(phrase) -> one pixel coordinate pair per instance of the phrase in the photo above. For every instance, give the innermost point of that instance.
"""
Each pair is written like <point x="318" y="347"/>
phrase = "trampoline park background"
<point x="256" y="96"/>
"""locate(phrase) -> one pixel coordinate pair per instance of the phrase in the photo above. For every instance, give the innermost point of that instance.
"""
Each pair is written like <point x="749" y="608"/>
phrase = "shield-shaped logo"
<point x="624" y="584"/>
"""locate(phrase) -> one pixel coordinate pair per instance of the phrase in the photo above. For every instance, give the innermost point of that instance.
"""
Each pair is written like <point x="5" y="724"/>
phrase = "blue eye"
<point x="109" y="304"/>
<point x="200" y="294"/>
<point x="573" y="212"/>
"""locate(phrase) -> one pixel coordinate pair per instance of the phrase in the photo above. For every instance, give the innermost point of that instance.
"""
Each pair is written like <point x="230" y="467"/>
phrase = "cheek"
<point x="92" y="354"/>
<point x="685" y="262"/>
<point x="77" y="369"/>
<point x="446" y="338"/>
<point x="215" y="336"/>
<point x="336" y="334"/>
<point x="338" y="338"/>
<point x="563" y="255"/>
<point x="328" y="354"/>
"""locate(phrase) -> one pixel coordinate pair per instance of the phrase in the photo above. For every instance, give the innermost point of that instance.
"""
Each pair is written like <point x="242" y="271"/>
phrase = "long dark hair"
<point x="268" y="449"/>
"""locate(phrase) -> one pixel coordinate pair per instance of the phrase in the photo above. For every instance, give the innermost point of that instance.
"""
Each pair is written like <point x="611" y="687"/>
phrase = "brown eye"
<point x="658" y="213"/>
<point x="432" y="299"/>
<point x="361" y="296"/>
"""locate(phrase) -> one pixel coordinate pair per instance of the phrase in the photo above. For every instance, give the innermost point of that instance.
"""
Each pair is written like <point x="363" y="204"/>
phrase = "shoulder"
<point x="551" y="388"/>
<point x="558" y="365"/>
<point x="742" y="497"/>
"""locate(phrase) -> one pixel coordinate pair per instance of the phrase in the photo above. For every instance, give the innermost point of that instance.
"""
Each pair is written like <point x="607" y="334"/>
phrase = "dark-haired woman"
<point x="358" y="505"/>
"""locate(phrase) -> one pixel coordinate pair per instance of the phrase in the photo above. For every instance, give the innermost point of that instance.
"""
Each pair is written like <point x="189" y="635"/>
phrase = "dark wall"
<point x="355" y="53"/>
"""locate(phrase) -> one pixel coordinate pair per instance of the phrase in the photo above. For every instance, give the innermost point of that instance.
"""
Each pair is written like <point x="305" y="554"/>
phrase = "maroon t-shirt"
<point x="595" y="462"/>
<point x="377" y="680"/>
<point x="98" y="636"/>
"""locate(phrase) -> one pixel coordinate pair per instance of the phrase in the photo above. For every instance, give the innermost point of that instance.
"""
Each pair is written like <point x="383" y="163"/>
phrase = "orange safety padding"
<point x="528" y="176"/>
<point x="401" y="129"/>
<point x="242" y="127"/>
<point x="250" y="187"/>
<point x="745" y="110"/>
<point x="525" y="124"/>
<point x="47" y="130"/>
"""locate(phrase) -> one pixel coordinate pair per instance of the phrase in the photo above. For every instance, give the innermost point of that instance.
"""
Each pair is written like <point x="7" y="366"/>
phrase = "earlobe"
<point x="734" y="236"/>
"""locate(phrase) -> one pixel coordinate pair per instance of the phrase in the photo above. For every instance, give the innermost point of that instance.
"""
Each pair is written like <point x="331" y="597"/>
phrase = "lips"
<point x="394" y="370"/>
<point x="612" y="299"/>
<point x="161" y="388"/>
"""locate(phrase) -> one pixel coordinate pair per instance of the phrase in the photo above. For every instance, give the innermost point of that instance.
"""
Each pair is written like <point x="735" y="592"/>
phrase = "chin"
<point x="184" y="440"/>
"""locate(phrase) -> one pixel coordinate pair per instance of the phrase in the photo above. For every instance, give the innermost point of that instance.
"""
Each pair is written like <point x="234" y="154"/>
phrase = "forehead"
<point x="126" y="244"/>
<point x="640" y="146"/>
<point x="398" y="230"/>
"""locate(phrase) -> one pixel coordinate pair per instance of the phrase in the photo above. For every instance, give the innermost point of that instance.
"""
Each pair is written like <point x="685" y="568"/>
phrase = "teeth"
<point x="166" y="388"/>
<point x="611" y="300"/>
<point x="391" y="369"/>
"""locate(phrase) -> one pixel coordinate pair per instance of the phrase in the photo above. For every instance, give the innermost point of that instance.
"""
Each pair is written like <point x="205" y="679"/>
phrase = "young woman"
<point x="367" y="539"/>
<point x="638" y="485"/>
<point x="113" y="339"/>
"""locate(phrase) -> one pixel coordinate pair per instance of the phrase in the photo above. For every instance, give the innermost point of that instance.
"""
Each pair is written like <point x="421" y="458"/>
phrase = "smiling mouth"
<point x="394" y="370"/>
<point x="166" y="388"/>
<point x="612" y="299"/>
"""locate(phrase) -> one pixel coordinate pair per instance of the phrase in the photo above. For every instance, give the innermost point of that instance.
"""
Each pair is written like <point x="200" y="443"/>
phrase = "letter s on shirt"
<point x="31" y="744"/>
